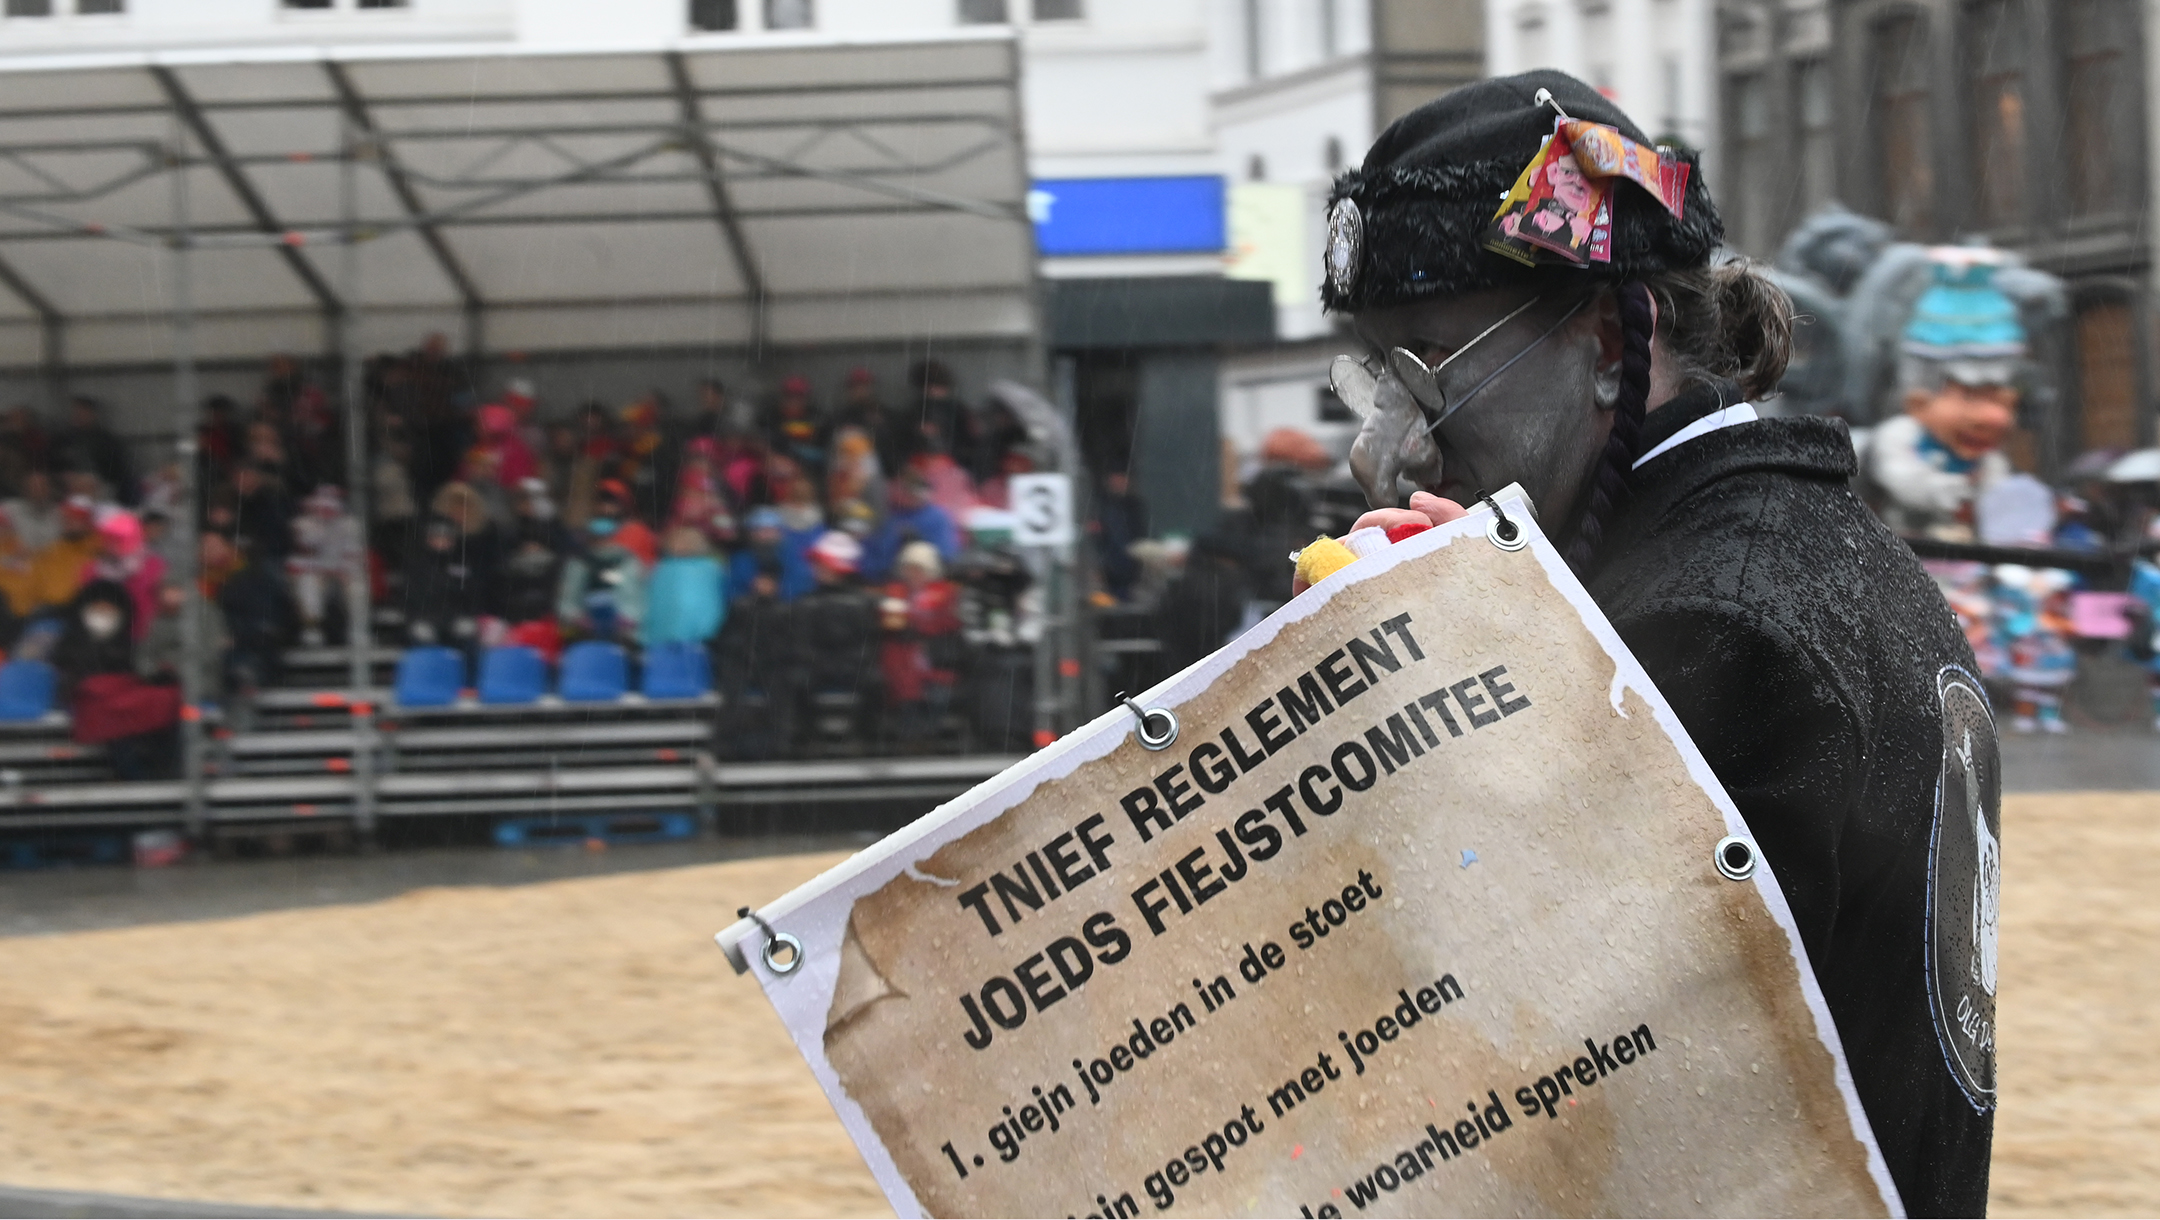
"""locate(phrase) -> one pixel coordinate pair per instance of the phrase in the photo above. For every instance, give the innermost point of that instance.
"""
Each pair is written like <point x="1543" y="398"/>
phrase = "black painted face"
<point x="1541" y="422"/>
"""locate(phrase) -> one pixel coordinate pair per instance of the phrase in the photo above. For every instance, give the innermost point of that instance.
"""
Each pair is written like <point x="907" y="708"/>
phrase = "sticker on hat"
<point x="1560" y="208"/>
<point x="1554" y="209"/>
<point x="1345" y="245"/>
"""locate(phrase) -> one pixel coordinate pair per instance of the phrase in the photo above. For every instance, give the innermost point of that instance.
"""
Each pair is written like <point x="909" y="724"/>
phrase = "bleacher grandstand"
<point x="613" y="766"/>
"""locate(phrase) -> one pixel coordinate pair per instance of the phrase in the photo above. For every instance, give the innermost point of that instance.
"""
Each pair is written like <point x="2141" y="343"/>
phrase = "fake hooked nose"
<point x="1394" y="437"/>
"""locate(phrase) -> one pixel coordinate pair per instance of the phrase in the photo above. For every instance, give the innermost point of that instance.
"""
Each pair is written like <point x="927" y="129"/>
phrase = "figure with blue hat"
<point x="1959" y="364"/>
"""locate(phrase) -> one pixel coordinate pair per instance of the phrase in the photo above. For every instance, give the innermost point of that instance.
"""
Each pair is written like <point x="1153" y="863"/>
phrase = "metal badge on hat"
<point x="1560" y="209"/>
<point x="1345" y="245"/>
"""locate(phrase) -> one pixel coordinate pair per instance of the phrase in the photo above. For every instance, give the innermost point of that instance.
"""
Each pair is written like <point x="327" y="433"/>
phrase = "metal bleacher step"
<point x="553" y="736"/>
<point x="537" y="791"/>
<point x="110" y="803"/>
<point x="299" y="699"/>
<point x="30" y="753"/>
<point x="866" y="779"/>
<point x="51" y="759"/>
<point x="44" y="726"/>
<point x="295" y="741"/>
<point x="323" y="657"/>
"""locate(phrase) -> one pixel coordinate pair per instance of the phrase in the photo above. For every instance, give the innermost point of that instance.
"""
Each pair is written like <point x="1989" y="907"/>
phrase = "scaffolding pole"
<point x="185" y="406"/>
<point x="359" y="608"/>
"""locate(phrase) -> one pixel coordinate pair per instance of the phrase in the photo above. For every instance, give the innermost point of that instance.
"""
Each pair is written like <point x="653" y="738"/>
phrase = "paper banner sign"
<point x="1420" y="913"/>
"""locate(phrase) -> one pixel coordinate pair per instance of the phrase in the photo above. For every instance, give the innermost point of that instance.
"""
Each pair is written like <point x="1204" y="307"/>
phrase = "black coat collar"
<point x="1806" y="447"/>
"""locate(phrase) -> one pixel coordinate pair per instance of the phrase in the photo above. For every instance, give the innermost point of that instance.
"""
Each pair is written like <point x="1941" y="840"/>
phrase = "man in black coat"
<point x="1803" y="648"/>
<point x="87" y="444"/>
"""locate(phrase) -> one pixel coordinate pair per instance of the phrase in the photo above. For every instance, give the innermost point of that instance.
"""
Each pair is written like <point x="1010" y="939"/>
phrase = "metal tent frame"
<point x="777" y="191"/>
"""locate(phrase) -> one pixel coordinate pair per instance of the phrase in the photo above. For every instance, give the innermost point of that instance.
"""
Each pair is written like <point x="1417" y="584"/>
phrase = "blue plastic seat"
<point x="429" y="677"/>
<point x="512" y="674"/>
<point x="678" y="670"/>
<point x="26" y="689"/>
<point x="594" y="672"/>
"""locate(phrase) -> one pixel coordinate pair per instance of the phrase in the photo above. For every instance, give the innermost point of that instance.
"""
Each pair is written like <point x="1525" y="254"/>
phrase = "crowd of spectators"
<point x="811" y="546"/>
<point x="84" y="566"/>
<point x="810" y="543"/>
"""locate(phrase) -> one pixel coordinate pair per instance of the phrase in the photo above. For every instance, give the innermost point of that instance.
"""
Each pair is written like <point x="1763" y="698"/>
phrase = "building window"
<point x="359" y="4"/>
<point x="1331" y="153"/>
<point x="2107" y="376"/>
<point x="712" y="15"/>
<point x="1995" y="80"/>
<point x="1256" y="168"/>
<point x="28" y="8"/>
<point x="1597" y="35"/>
<point x="1903" y="146"/>
<point x="1058" y="10"/>
<point x="1330" y="39"/>
<point x="1332" y="409"/>
<point x="1741" y="32"/>
<point x="1255" y="50"/>
<point x="789" y="15"/>
<point x="95" y="8"/>
<point x="1530" y="37"/>
<point x="982" y="12"/>
<point x="384" y="3"/>
<point x="1756" y="171"/>
<point x="307" y="3"/>
<point x="1818" y="153"/>
<point x="2101" y="106"/>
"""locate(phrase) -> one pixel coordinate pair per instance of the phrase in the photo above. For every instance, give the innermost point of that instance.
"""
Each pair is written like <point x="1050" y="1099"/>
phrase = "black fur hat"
<point x="1433" y="180"/>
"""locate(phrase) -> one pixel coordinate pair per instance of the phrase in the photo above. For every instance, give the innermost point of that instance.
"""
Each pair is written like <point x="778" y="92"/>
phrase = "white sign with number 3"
<point x="1042" y="509"/>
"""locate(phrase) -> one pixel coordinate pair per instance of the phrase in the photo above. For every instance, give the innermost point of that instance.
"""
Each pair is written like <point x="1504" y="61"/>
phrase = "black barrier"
<point x="2111" y="566"/>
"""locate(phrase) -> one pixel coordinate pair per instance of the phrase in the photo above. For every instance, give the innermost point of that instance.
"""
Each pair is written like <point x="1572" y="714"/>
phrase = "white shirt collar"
<point x="1740" y="413"/>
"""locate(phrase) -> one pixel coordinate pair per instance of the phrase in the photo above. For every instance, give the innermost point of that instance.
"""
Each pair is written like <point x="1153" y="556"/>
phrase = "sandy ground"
<point x="580" y="1048"/>
<point x="563" y="1049"/>
<point x="2079" y="1007"/>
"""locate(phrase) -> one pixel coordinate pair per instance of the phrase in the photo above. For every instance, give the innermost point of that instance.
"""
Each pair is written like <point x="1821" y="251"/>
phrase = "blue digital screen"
<point x="1128" y="215"/>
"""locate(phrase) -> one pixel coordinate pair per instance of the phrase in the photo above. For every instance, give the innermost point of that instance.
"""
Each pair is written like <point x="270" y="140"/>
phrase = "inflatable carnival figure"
<point x="1960" y="361"/>
<point x="1818" y="267"/>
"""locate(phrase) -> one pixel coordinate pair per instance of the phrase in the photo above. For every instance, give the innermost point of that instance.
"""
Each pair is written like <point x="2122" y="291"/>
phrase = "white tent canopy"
<point x="783" y="192"/>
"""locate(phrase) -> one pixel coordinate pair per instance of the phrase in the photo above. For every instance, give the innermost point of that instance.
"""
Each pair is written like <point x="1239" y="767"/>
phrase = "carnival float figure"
<point x="1960" y="363"/>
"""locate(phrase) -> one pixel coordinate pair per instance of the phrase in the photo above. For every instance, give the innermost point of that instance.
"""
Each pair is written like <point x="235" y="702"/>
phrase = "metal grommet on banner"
<point x="1735" y="857"/>
<point x="1502" y="532"/>
<point x="776" y="945"/>
<point x="1158" y="726"/>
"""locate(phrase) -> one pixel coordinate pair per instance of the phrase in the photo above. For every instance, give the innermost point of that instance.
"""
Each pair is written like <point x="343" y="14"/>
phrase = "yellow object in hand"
<point x="1322" y="558"/>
